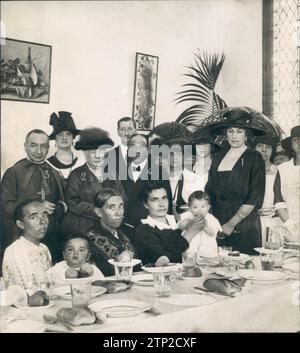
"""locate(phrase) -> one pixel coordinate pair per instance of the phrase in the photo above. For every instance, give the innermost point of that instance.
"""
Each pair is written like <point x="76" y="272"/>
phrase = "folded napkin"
<point x="221" y="284"/>
<point x="113" y="286"/>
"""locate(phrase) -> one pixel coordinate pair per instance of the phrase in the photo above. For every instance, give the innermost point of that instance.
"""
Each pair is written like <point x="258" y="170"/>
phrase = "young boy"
<point x="203" y="244"/>
<point x="76" y="253"/>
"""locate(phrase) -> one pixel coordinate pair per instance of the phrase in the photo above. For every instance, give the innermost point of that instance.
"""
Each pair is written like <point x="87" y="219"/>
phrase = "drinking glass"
<point x="162" y="284"/>
<point x="81" y="294"/>
<point x="123" y="273"/>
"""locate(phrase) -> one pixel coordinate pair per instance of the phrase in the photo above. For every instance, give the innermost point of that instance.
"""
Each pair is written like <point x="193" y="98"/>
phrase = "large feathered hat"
<point x="92" y="138"/>
<point x="171" y="130"/>
<point x="62" y="122"/>
<point x="243" y="117"/>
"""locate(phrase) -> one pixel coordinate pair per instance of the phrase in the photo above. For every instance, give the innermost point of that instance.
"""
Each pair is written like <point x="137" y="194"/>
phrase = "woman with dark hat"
<point x="266" y="146"/>
<point x="288" y="182"/>
<point x="64" y="132"/>
<point x="86" y="181"/>
<point x="204" y="147"/>
<point x="236" y="183"/>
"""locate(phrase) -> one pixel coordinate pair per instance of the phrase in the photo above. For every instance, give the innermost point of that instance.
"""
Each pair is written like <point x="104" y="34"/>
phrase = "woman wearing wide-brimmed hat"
<point x="236" y="182"/>
<point x="204" y="147"/>
<point x="266" y="146"/>
<point x="289" y="183"/>
<point x="64" y="132"/>
<point x="86" y="181"/>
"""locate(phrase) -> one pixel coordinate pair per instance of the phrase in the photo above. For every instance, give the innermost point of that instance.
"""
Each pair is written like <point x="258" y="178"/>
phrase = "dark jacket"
<point x="24" y="181"/>
<point x="105" y="246"/>
<point x="245" y="184"/>
<point x="81" y="189"/>
<point x="152" y="243"/>
<point x="135" y="209"/>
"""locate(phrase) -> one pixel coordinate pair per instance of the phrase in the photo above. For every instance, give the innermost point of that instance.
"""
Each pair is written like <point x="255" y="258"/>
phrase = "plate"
<point x="292" y="266"/>
<point x="78" y="280"/>
<point x="25" y="326"/>
<point x="120" y="307"/>
<point x="143" y="279"/>
<point x="189" y="299"/>
<point x="268" y="251"/>
<point x="132" y="263"/>
<point x="242" y="256"/>
<point x="171" y="267"/>
<point x="65" y="292"/>
<point x="25" y="306"/>
<point x="262" y="276"/>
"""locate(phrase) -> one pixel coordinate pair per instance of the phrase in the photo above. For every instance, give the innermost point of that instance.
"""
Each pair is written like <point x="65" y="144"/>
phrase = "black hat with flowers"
<point x="62" y="122"/>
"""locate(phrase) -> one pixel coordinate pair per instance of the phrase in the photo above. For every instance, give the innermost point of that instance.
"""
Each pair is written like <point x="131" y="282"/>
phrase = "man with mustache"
<point x="32" y="177"/>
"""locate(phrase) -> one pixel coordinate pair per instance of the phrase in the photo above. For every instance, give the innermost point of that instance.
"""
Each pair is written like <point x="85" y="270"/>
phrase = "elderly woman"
<point x="236" y="184"/>
<point x="288" y="183"/>
<point x="107" y="237"/>
<point x="266" y="146"/>
<point x="86" y="181"/>
<point x="158" y="239"/>
<point x="64" y="132"/>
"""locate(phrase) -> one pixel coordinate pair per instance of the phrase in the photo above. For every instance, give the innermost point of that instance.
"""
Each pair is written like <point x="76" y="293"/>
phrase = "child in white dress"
<point x="76" y="253"/>
<point x="203" y="244"/>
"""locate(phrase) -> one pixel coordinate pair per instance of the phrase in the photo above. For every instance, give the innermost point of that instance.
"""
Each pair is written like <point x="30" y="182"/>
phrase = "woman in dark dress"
<point x="236" y="185"/>
<point x="64" y="132"/>
<point x="108" y="236"/>
<point x="158" y="238"/>
<point x="86" y="181"/>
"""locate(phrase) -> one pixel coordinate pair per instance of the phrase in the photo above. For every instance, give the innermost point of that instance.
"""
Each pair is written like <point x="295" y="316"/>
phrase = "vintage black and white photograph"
<point x="158" y="190"/>
<point x="25" y="71"/>
<point x="145" y="91"/>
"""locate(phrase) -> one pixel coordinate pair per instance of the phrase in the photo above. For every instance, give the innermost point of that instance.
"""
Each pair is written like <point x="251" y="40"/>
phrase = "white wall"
<point x="93" y="57"/>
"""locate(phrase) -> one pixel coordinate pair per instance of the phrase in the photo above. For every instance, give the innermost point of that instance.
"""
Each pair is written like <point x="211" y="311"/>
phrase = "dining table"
<point x="259" y="307"/>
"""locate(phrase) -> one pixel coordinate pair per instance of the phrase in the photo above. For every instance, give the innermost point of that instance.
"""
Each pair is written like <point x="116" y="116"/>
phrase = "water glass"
<point x="123" y="273"/>
<point x="81" y="294"/>
<point x="267" y="261"/>
<point x="162" y="284"/>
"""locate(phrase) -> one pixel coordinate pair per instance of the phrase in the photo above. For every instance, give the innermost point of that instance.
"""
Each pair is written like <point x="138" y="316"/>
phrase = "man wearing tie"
<point x="140" y="171"/>
<point x="32" y="177"/>
<point x="126" y="128"/>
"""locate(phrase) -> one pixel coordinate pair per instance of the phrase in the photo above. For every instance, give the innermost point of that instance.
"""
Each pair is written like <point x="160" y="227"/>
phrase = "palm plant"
<point x="205" y="73"/>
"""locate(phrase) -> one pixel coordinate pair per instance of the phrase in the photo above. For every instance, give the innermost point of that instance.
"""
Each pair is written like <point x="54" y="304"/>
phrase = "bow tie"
<point x="136" y="169"/>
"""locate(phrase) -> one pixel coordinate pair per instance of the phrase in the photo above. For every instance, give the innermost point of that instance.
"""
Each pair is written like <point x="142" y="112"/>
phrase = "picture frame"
<point x="145" y="91"/>
<point x="25" y="71"/>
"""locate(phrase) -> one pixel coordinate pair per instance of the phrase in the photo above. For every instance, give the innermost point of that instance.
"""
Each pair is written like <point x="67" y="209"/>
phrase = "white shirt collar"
<point x="136" y="173"/>
<point x="160" y="225"/>
<point x="124" y="150"/>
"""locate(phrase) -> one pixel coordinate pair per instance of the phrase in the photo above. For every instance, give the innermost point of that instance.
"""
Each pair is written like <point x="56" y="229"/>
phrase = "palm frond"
<point x="204" y="74"/>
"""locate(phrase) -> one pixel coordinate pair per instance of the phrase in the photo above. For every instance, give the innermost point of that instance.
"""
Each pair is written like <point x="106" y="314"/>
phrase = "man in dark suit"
<point x="126" y="128"/>
<point x="140" y="171"/>
<point x="32" y="177"/>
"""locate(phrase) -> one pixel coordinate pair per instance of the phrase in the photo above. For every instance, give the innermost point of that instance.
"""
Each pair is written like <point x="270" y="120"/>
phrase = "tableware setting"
<point x="262" y="277"/>
<point x="123" y="270"/>
<point x="119" y="308"/>
<point x="65" y="292"/>
<point x="188" y="300"/>
<point x="112" y="285"/>
<point x="143" y="279"/>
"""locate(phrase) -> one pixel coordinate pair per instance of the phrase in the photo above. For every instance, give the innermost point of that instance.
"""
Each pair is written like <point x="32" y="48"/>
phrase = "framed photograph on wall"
<point x="25" y="71"/>
<point x="145" y="90"/>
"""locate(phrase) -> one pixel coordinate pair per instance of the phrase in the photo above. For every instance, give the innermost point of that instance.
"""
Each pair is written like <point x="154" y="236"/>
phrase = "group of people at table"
<point x="62" y="212"/>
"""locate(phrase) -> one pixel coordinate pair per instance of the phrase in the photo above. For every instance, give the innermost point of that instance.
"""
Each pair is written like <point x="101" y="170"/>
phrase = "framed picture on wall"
<point x="145" y="90"/>
<point x="25" y="71"/>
